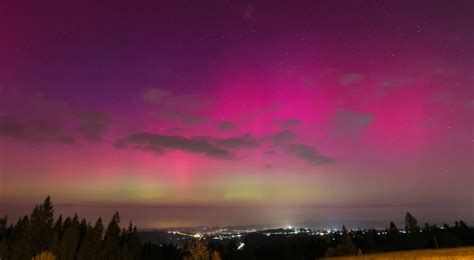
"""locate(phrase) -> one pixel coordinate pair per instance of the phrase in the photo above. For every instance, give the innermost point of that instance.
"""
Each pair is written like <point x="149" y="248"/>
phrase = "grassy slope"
<point x="461" y="253"/>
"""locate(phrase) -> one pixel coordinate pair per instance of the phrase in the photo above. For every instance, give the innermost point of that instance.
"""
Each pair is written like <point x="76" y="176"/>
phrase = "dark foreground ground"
<point x="463" y="253"/>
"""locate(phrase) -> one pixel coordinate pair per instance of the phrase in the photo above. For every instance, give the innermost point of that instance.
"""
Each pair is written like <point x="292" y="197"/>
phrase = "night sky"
<point x="182" y="113"/>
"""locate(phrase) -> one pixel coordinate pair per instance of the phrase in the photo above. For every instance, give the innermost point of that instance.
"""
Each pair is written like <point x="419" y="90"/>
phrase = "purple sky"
<point x="183" y="113"/>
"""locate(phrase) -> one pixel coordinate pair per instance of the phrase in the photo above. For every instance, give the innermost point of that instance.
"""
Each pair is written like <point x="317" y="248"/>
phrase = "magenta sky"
<point x="238" y="112"/>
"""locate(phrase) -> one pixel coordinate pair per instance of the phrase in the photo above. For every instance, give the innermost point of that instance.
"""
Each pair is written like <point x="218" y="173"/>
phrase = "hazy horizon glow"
<point x="226" y="113"/>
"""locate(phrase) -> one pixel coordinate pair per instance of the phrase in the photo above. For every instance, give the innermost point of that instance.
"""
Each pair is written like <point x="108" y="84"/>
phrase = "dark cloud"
<point x="93" y="125"/>
<point x="284" y="137"/>
<point x="307" y="153"/>
<point x="285" y="140"/>
<point x="160" y="143"/>
<point x="213" y="147"/>
<point x="226" y="126"/>
<point x="238" y="142"/>
<point x="34" y="131"/>
<point x="346" y="123"/>
<point x="291" y="123"/>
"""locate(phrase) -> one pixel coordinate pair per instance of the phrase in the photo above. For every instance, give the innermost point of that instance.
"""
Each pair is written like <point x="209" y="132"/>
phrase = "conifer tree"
<point x="426" y="227"/>
<point x="411" y="224"/>
<point x="19" y="241"/>
<point x="346" y="247"/>
<point x="97" y="235"/>
<point x="4" y="250"/>
<point x="462" y="224"/>
<point x="91" y="245"/>
<point x="56" y="238"/>
<point x="70" y="240"/>
<point x="133" y="241"/>
<point x="130" y="242"/>
<point x="41" y="227"/>
<point x="3" y="227"/>
<point x="393" y="230"/>
<point x="85" y="249"/>
<point x="112" y="239"/>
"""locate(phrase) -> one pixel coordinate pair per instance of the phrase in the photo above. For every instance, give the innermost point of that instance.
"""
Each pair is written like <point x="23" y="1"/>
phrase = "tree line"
<point x="70" y="238"/>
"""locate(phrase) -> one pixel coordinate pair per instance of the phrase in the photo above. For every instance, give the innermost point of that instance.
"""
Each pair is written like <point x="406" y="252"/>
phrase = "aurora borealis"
<point x="185" y="113"/>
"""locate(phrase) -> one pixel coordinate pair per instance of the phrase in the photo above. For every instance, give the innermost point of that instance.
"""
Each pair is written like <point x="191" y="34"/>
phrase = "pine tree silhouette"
<point x="411" y="224"/>
<point x="112" y="239"/>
